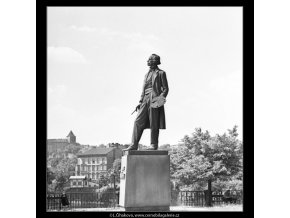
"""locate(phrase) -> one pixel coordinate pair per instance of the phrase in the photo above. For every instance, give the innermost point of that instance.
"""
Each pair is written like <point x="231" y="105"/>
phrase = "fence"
<point x="109" y="199"/>
<point x="83" y="200"/>
<point x="53" y="201"/>
<point x="199" y="198"/>
<point x="192" y="198"/>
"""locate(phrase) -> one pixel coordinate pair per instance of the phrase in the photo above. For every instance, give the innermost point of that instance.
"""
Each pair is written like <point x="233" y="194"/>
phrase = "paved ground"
<point x="172" y="209"/>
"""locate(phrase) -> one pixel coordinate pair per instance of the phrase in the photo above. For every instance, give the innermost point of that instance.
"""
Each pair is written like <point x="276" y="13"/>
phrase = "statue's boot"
<point x="131" y="147"/>
<point x="152" y="147"/>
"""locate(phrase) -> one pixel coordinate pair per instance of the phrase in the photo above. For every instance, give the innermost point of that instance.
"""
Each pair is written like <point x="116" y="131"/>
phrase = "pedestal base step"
<point x="145" y="152"/>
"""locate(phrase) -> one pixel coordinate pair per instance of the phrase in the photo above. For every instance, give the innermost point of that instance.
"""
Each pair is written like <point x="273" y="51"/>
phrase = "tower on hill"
<point x="71" y="138"/>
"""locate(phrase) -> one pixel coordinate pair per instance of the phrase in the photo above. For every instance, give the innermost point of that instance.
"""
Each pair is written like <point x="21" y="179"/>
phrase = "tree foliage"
<point x="104" y="180"/>
<point x="49" y="176"/>
<point x="114" y="171"/>
<point x="201" y="158"/>
<point x="62" y="165"/>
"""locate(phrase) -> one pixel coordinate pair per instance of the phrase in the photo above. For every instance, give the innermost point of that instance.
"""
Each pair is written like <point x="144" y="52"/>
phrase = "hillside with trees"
<point x="61" y="165"/>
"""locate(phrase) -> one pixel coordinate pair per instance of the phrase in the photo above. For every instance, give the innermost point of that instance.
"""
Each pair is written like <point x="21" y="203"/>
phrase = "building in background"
<point x="78" y="181"/>
<point x="54" y="145"/>
<point x="96" y="161"/>
<point x="71" y="138"/>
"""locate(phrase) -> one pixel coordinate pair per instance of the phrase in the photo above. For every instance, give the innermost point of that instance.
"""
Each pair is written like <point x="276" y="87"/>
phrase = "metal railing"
<point x="199" y="198"/>
<point x="82" y="200"/>
<point x="110" y="199"/>
<point x="191" y="198"/>
<point x="53" y="201"/>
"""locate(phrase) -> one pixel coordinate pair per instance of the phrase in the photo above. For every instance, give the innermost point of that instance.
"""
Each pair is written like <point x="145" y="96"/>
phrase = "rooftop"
<point x="57" y="140"/>
<point x="70" y="134"/>
<point x="77" y="177"/>
<point x="96" y="151"/>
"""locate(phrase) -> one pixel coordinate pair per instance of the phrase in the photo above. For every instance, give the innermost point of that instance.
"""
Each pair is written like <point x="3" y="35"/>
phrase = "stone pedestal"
<point x="145" y="181"/>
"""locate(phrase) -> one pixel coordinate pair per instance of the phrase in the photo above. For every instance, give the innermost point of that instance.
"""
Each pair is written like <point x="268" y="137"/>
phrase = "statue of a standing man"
<point x="151" y="110"/>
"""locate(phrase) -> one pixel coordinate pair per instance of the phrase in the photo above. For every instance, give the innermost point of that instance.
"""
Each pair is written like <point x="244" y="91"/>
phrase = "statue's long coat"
<point x="159" y="87"/>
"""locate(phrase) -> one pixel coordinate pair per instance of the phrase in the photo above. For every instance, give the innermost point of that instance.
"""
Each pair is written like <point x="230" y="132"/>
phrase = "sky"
<point x="97" y="60"/>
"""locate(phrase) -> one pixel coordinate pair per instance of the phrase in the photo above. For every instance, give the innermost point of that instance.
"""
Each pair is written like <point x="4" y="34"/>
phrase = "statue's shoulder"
<point x="161" y="71"/>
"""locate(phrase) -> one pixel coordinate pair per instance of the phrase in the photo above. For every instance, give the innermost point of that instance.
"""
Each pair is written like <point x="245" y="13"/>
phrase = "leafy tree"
<point x="107" y="195"/>
<point x="84" y="149"/>
<point x="62" y="164"/>
<point x="116" y="170"/>
<point x="104" y="180"/>
<point x="233" y="184"/>
<point x="102" y="146"/>
<point x="63" y="170"/>
<point x="116" y="167"/>
<point x="202" y="159"/>
<point x="49" y="176"/>
<point x="72" y="149"/>
<point x="108" y="177"/>
<point x="54" y="162"/>
<point x="62" y="179"/>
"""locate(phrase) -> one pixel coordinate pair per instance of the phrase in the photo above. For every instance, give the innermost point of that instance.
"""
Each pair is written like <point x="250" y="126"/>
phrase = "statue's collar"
<point x="155" y="70"/>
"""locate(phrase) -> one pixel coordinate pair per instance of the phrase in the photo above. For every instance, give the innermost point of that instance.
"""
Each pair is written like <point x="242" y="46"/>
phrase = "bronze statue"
<point x="150" y="108"/>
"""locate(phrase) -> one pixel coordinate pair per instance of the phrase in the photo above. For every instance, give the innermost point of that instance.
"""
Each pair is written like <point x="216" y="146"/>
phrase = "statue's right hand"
<point x="138" y="107"/>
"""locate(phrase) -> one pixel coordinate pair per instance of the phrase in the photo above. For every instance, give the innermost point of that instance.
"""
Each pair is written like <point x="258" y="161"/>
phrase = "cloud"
<point x="136" y="40"/>
<point x="134" y="36"/>
<point x="65" y="55"/>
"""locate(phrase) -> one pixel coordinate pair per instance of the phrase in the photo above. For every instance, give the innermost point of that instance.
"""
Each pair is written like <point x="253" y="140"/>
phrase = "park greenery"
<point x="197" y="162"/>
<point x="202" y="160"/>
<point x="61" y="165"/>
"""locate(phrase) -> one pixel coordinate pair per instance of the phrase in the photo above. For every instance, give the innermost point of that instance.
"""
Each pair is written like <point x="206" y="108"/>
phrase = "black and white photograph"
<point x="144" y="109"/>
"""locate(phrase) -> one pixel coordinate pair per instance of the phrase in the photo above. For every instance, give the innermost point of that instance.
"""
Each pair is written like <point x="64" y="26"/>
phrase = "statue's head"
<point x="153" y="60"/>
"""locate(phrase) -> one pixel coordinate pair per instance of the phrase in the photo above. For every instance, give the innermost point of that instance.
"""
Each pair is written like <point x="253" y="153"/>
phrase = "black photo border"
<point x="248" y="103"/>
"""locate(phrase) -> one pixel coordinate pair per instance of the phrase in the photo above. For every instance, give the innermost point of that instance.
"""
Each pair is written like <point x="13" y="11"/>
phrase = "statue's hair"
<point x="158" y="58"/>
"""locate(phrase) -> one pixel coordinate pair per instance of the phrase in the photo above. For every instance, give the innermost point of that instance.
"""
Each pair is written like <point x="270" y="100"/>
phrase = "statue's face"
<point x="152" y="61"/>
